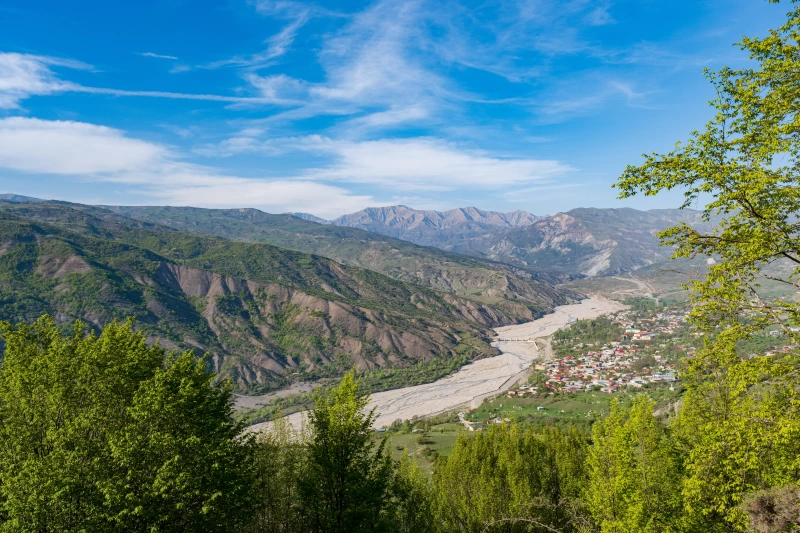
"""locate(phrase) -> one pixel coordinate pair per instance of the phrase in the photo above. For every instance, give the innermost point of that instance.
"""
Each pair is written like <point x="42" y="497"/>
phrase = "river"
<point x="475" y="381"/>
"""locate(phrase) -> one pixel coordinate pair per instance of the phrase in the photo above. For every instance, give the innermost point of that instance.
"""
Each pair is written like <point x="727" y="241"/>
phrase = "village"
<point x="643" y="353"/>
<point x="613" y="358"/>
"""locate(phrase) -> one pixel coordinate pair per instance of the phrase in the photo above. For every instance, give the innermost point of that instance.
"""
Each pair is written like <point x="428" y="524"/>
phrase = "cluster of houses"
<point x="778" y="351"/>
<point x="607" y="370"/>
<point x="617" y="364"/>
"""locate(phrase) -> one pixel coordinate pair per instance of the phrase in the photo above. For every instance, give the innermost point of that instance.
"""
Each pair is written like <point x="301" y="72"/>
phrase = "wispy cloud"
<point x="386" y="66"/>
<point x="157" y="56"/>
<point x="399" y="164"/>
<point x="586" y="96"/>
<point x="24" y="75"/>
<point x="277" y="46"/>
<point x="100" y="153"/>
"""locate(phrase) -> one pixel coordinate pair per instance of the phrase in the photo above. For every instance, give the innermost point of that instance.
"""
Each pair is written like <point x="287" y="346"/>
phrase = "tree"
<point x="634" y="480"/>
<point x="741" y="417"/>
<point x="186" y="465"/>
<point x="281" y="461"/>
<point x="107" y="434"/>
<point x="511" y="480"/>
<point x="412" y="504"/>
<point x="347" y="484"/>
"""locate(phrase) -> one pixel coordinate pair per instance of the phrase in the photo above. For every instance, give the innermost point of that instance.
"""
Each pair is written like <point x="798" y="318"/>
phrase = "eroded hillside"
<point x="261" y="313"/>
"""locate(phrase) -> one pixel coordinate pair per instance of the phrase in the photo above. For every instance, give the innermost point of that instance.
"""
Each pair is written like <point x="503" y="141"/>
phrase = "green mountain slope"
<point x="513" y="290"/>
<point x="265" y="315"/>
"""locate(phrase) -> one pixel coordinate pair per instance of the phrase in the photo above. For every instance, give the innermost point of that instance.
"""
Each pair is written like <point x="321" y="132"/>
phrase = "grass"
<point x="425" y="447"/>
<point x="580" y="409"/>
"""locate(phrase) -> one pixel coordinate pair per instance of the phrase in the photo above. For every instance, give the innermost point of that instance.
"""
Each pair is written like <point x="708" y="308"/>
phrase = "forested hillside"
<point x="261" y="312"/>
<point x="510" y="288"/>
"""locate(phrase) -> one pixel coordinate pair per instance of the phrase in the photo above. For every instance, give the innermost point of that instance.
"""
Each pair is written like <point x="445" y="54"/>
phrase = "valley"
<point x="483" y="378"/>
<point x="278" y="303"/>
<point x="264" y="316"/>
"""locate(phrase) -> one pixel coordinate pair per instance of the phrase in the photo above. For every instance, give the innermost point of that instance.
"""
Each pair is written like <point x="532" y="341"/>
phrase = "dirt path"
<point x="486" y="377"/>
<point x="643" y="288"/>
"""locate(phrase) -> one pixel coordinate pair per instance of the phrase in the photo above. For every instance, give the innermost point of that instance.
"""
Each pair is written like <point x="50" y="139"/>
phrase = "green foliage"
<point x="643" y="304"/>
<point x="105" y="434"/>
<point x="746" y="163"/>
<point x="348" y="483"/>
<point x="509" y="479"/>
<point x="596" y="331"/>
<point x="739" y="423"/>
<point x="281" y="460"/>
<point x="413" y="510"/>
<point x="634" y="480"/>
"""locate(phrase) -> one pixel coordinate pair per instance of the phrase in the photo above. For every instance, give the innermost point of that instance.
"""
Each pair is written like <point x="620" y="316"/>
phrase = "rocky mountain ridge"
<point x="583" y="242"/>
<point x="513" y="289"/>
<point x="261" y="313"/>
<point x="429" y="227"/>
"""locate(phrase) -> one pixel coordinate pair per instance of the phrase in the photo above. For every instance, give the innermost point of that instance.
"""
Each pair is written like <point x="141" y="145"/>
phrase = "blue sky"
<point x="330" y="107"/>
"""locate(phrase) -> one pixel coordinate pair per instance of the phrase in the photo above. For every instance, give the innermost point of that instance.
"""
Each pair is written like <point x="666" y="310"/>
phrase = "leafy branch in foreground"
<point x="740" y="423"/>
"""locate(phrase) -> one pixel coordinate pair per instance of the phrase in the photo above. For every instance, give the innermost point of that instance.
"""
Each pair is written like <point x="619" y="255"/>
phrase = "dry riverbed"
<point x="486" y="377"/>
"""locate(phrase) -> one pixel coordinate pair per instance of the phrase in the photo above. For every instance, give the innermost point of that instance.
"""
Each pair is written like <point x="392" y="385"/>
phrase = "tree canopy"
<point x="106" y="433"/>
<point x="740" y="421"/>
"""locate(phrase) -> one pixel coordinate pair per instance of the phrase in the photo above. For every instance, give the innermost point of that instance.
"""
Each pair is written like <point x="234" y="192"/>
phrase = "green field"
<point x="580" y="408"/>
<point x="425" y="447"/>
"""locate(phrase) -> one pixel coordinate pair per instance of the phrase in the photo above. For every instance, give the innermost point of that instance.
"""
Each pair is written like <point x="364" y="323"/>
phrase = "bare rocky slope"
<point x="514" y="290"/>
<point x="584" y="242"/>
<point x="590" y="242"/>
<point x="433" y="228"/>
<point x="264" y="315"/>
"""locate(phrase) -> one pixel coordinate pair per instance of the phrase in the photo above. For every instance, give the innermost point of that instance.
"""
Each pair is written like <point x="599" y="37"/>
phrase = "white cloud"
<point x="63" y="147"/>
<point x="23" y="75"/>
<point x="401" y="164"/>
<point x="157" y="56"/>
<point x="279" y="88"/>
<point x="274" y="195"/>
<point x="106" y="154"/>
<point x="429" y="164"/>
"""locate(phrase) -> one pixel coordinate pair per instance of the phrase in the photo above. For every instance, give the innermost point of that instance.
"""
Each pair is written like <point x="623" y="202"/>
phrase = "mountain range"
<point x="433" y="228"/>
<point x="262" y="313"/>
<point x="276" y="298"/>
<point x="583" y="242"/>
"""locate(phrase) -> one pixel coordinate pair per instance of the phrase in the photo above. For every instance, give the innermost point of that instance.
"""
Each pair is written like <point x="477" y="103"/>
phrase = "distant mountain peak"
<point x="310" y="218"/>
<point x="20" y="199"/>
<point x="404" y="217"/>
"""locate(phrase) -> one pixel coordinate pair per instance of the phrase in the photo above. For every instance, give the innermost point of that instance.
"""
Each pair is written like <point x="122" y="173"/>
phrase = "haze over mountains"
<point x="243" y="286"/>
